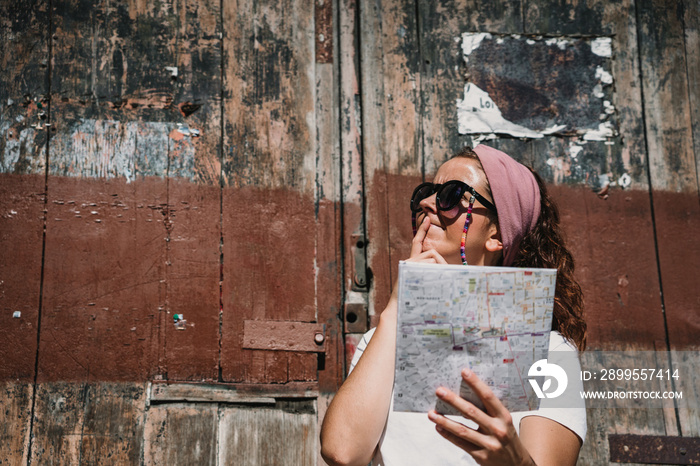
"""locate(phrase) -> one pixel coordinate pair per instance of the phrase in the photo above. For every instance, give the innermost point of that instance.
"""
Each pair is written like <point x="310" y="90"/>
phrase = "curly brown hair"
<point x="544" y="247"/>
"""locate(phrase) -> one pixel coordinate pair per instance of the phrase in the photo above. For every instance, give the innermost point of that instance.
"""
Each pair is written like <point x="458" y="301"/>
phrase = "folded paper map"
<point x="494" y="320"/>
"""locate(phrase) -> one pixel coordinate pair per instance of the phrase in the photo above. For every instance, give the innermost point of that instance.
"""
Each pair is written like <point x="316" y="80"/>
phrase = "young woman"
<point x="484" y="208"/>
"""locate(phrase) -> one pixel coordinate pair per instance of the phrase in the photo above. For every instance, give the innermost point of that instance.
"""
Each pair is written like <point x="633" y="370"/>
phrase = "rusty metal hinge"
<point x="280" y="335"/>
<point x="653" y="449"/>
<point x="360" y="277"/>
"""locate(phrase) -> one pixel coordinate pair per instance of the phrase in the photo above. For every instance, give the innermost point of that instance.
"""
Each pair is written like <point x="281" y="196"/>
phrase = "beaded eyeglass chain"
<point x="466" y="227"/>
<point x="472" y="199"/>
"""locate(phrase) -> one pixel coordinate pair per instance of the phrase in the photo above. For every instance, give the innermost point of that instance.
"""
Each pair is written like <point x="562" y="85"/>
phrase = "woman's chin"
<point x="429" y="244"/>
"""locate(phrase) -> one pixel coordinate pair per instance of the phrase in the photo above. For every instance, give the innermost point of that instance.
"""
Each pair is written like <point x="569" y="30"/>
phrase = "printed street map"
<point x="494" y="320"/>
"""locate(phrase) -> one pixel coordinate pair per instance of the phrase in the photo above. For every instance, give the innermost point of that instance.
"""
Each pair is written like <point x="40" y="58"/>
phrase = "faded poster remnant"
<point x="478" y="113"/>
<point x="530" y="87"/>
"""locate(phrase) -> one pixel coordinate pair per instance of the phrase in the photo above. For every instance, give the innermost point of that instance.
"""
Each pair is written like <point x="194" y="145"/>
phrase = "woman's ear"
<point x="493" y="243"/>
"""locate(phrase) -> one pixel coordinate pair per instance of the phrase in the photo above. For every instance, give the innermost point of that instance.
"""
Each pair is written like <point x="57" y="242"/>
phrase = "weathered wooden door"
<point x="176" y="178"/>
<point x="601" y="98"/>
<point x="171" y="267"/>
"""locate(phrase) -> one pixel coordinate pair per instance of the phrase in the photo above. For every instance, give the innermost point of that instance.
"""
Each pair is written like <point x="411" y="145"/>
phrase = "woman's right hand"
<point x="431" y="256"/>
<point x="355" y="420"/>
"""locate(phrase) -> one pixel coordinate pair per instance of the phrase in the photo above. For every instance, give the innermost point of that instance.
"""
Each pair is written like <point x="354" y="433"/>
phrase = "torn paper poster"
<point x="534" y="86"/>
<point x="478" y="113"/>
<point x="471" y="41"/>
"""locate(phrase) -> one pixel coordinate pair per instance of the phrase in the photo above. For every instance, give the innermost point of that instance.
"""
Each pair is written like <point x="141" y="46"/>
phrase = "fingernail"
<point x="432" y="416"/>
<point x="440" y="392"/>
<point x="466" y="373"/>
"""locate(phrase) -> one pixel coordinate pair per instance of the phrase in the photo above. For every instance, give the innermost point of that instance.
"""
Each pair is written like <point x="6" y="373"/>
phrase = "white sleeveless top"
<point x="410" y="438"/>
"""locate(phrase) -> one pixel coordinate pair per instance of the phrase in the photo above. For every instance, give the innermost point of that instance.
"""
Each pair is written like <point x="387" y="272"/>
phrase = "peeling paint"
<point x="624" y="181"/>
<point x="574" y="150"/>
<point x="471" y="42"/>
<point x="602" y="46"/>
<point x="21" y="151"/>
<point x="603" y="76"/>
<point x="561" y="168"/>
<point x="558" y="41"/>
<point x="553" y="129"/>
<point x="604" y="132"/>
<point x="609" y="108"/>
<point x="114" y="149"/>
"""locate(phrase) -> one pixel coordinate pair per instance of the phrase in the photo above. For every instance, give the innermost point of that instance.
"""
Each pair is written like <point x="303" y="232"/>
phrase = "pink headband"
<point x="516" y="195"/>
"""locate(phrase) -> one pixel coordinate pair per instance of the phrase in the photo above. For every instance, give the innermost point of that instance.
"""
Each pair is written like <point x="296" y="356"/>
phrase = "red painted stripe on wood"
<point x="391" y="232"/>
<point x="193" y="277"/>
<point x="328" y="296"/>
<point x="104" y="287"/>
<point x="21" y="232"/>
<point x="269" y="273"/>
<point x="678" y="224"/>
<point x="612" y="242"/>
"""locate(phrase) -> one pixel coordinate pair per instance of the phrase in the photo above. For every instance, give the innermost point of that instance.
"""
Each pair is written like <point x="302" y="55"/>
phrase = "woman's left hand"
<point x="495" y="441"/>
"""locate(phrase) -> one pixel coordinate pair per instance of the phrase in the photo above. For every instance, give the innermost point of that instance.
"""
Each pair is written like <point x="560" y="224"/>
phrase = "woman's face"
<point x="483" y="246"/>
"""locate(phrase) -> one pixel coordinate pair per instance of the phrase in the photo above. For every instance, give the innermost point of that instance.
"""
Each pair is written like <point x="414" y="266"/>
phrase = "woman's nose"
<point x="429" y="204"/>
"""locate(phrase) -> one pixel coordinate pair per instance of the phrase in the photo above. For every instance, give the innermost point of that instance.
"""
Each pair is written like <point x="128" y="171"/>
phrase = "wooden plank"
<point x="21" y="237"/>
<point x="604" y="422"/>
<point x="353" y="176"/>
<point x="323" y="25"/>
<point x="23" y="90"/>
<point x="88" y="422"/>
<point x="93" y="423"/>
<point x="351" y="143"/>
<point x="328" y="221"/>
<point x="104" y="285"/>
<point x="260" y="279"/>
<point x="689" y="410"/>
<point x="129" y="91"/>
<point x="270" y="173"/>
<point x="16" y="402"/>
<point x="245" y="433"/>
<point x="691" y="30"/>
<point x="444" y="73"/>
<point x="617" y="21"/>
<point x="203" y="394"/>
<point x="24" y="105"/>
<point x="166" y="391"/>
<point x="392" y="128"/>
<point x="674" y="176"/>
<point x="194" y="191"/>
<point x="192" y="351"/>
<point x="113" y="428"/>
<point x="595" y="449"/>
<point x="615" y="270"/>
<point x="181" y="434"/>
<point x="59" y="415"/>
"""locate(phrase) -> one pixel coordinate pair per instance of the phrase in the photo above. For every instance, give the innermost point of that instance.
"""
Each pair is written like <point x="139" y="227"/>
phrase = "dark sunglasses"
<point x="448" y="195"/>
